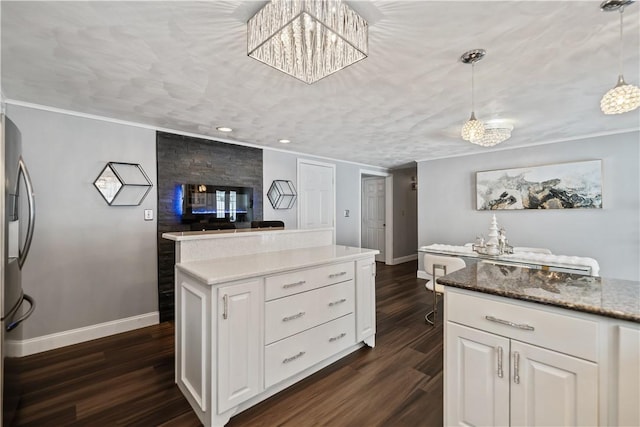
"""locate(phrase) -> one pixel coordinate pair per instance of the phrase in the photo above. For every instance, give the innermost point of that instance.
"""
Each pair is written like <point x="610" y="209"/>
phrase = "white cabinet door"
<point x="239" y="343"/>
<point x="552" y="389"/>
<point x="477" y="380"/>
<point x="365" y="300"/>
<point x="627" y="376"/>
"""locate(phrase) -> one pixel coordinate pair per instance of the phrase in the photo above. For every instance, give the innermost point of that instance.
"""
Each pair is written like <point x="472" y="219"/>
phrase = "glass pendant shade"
<point x="494" y="134"/>
<point x="308" y="39"/>
<point x="621" y="99"/>
<point x="473" y="129"/>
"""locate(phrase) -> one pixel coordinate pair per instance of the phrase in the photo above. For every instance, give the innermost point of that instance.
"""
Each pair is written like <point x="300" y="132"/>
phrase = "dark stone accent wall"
<point x="183" y="160"/>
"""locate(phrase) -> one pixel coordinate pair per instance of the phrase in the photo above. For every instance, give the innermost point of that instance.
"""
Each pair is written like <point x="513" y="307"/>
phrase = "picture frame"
<point x="575" y="185"/>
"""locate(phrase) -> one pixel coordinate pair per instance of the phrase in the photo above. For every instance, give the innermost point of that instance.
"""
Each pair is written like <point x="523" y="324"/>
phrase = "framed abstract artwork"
<point x="559" y="186"/>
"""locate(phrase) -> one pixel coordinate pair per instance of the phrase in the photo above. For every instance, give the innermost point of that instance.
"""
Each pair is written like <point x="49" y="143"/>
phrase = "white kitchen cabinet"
<point x="498" y="371"/>
<point x="366" y="301"/>
<point x="239" y="358"/>
<point x="625" y="371"/>
<point x="242" y="340"/>
<point x="549" y="388"/>
<point x="477" y="387"/>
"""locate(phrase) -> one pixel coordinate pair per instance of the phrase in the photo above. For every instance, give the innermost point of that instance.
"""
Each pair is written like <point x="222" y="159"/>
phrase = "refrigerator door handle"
<point x="14" y="324"/>
<point x="23" y="252"/>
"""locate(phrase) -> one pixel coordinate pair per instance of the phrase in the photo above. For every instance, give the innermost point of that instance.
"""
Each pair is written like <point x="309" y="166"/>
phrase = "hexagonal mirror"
<point x="123" y="184"/>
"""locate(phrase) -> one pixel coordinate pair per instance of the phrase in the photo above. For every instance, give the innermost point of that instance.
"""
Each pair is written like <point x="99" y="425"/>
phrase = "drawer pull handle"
<point x="295" y="316"/>
<point x="291" y="285"/>
<point x="508" y="323"/>
<point x="500" y="373"/>
<point x="292" y="358"/>
<point x="333" y="276"/>
<point x="516" y="367"/>
<point x="337" y="337"/>
<point x="340" y="301"/>
<point x="225" y="304"/>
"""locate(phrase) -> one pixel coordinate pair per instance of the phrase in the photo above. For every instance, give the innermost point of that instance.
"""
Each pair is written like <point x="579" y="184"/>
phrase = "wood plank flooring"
<point x="127" y="379"/>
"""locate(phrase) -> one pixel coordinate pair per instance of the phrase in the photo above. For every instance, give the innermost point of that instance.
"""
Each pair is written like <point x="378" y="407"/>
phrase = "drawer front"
<point x="288" y="316"/>
<point x="295" y="282"/>
<point x="287" y="357"/>
<point x="560" y="331"/>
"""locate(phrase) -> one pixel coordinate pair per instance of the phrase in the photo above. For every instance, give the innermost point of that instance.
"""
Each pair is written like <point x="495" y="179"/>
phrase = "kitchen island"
<point x="258" y="312"/>
<point x="534" y="347"/>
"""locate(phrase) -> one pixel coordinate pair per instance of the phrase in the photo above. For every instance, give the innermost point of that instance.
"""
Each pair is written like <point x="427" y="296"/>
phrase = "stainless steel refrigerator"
<point x="19" y="222"/>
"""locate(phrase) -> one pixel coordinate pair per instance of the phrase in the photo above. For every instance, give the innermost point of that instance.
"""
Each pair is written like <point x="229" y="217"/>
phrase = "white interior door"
<point x="373" y="215"/>
<point x="316" y="195"/>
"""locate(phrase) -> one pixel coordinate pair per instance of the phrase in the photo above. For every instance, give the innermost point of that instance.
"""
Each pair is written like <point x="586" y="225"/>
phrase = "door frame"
<point x="388" y="211"/>
<point x="300" y="161"/>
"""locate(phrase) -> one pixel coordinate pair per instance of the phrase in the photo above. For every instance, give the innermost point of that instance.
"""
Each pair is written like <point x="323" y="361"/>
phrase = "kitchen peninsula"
<point x="258" y="311"/>
<point x="534" y="347"/>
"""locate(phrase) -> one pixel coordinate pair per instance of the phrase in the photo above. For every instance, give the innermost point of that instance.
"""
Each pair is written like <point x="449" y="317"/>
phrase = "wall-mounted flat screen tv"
<point x="211" y="204"/>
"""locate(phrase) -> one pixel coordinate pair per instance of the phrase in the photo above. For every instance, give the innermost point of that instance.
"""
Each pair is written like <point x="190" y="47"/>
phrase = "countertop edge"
<point x="528" y="298"/>
<point x="182" y="236"/>
<point x="185" y="268"/>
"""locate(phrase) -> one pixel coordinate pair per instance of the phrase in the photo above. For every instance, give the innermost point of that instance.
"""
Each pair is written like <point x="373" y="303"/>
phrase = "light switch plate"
<point x="148" y="214"/>
<point x="346" y="213"/>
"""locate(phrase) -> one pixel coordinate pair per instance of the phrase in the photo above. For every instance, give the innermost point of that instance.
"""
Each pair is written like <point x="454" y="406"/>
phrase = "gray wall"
<point x="281" y="165"/>
<point x="447" y="214"/>
<point x="405" y="213"/>
<point x="89" y="262"/>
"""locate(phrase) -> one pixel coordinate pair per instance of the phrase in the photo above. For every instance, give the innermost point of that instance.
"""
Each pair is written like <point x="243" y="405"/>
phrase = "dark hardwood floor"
<point x="127" y="379"/>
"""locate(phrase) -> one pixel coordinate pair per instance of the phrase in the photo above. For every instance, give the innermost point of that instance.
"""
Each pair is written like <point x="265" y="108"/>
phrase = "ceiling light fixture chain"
<point x="623" y="97"/>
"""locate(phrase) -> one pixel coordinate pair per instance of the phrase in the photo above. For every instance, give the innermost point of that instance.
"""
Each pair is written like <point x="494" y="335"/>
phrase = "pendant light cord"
<point x="473" y="108"/>
<point x="621" y="41"/>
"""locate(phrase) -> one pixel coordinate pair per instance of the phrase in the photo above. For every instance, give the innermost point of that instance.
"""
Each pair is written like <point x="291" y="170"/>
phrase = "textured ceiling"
<point x="183" y="66"/>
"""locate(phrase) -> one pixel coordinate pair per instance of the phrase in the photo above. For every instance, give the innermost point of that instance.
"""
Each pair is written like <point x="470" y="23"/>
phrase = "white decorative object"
<point x="493" y="232"/>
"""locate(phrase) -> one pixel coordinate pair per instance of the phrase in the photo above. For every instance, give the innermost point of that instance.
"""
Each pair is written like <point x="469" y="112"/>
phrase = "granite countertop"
<point x="221" y="270"/>
<point x="619" y="299"/>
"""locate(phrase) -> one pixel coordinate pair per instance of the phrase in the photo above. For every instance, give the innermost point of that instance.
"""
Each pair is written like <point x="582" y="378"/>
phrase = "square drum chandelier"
<point x="308" y="39"/>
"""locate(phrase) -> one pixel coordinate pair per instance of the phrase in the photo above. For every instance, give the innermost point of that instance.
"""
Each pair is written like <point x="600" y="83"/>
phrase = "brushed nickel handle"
<point x="509" y="323"/>
<point x="500" y="372"/>
<point x="295" y="316"/>
<point x="340" y="301"/>
<point x="225" y="306"/>
<point x="516" y="367"/>
<point x="337" y="337"/>
<point x="291" y="285"/>
<point x="292" y="358"/>
<point x="334" y="275"/>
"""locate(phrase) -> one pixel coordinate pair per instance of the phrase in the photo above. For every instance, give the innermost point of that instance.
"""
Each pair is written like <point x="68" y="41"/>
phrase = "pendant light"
<point x="473" y="129"/>
<point x="623" y="97"/>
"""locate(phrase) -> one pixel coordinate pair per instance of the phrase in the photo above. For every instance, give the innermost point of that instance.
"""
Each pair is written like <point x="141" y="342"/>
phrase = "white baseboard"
<point x="402" y="259"/>
<point x="75" y="336"/>
<point x="421" y="274"/>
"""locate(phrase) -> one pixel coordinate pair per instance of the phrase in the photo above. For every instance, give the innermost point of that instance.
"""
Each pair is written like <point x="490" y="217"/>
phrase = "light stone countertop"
<point x="619" y="299"/>
<point x="180" y="236"/>
<point x="222" y="270"/>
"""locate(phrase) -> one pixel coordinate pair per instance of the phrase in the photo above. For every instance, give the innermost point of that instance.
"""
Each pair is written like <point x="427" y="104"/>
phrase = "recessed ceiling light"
<point x="284" y="141"/>
<point x="224" y="129"/>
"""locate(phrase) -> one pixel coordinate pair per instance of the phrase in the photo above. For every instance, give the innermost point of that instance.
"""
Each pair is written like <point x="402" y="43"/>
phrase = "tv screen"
<point x="206" y="203"/>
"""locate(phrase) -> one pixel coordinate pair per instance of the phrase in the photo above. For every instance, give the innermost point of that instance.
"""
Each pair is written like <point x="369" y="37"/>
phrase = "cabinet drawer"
<point x="303" y="280"/>
<point x="296" y="313"/>
<point x="560" y="331"/>
<point x="299" y="352"/>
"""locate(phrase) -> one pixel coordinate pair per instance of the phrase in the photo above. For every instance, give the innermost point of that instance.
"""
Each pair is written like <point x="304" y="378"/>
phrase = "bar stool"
<point x="440" y="264"/>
